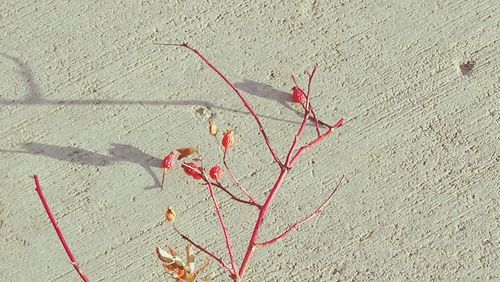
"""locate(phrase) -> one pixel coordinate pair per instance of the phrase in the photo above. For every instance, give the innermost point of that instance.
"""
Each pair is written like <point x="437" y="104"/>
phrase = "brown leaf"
<point x="173" y="252"/>
<point x="164" y="256"/>
<point x="190" y="256"/>
<point x="186" y="152"/>
<point x="203" y="267"/>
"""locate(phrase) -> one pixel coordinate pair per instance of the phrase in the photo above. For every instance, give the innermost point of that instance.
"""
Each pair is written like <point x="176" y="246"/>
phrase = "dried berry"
<point x="216" y="173"/>
<point x="169" y="161"/>
<point x="167" y="164"/>
<point x="192" y="170"/>
<point x="212" y="128"/>
<point x="170" y="215"/>
<point x="298" y="95"/>
<point x="228" y="139"/>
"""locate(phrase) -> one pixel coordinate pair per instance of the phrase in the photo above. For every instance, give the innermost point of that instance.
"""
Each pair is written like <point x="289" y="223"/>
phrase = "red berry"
<point x="169" y="161"/>
<point x="298" y="95"/>
<point x="228" y="139"/>
<point x="196" y="176"/>
<point x="216" y="173"/>
<point x="192" y="170"/>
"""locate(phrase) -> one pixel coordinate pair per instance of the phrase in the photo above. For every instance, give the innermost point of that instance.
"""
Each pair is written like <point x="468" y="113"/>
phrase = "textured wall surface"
<point x="89" y="104"/>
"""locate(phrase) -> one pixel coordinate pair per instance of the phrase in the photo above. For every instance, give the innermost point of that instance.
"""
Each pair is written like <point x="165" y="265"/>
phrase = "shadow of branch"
<point x="34" y="96"/>
<point x="116" y="153"/>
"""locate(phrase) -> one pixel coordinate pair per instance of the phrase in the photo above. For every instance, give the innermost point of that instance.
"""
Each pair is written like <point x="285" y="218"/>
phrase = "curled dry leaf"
<point x="190" y="256"/>
<point x="186" y="152"/>
<point x="182" y="271"/>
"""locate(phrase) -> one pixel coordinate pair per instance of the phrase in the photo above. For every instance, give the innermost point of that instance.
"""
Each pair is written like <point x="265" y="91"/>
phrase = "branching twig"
<point x="296" y="139"/>
<point x="308" y="106"/>
<point x="218" y="210"/>
<point x="72" y="258"/>
<point x="295" y="226"/>
<point x="219" y="260"/>
<point x="222" y="224"/>
<point x="290" y="161"/>
<point x="316" y="121"/>
<point x="234" y="197"/>
<point x="315" y="142"/>
<point x="245" y="102"/>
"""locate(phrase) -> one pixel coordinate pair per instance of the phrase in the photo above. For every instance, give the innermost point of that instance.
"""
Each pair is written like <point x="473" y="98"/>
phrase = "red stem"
<point x="295" y="226"/>
<point x="72" y="258"/>
<point x="296" y="138"/>
<point x="308" y="101"/>
<point x="222" y="224"/>
<point x="315" y="142"/>
<point x="219" y="215"/>
<point x="315" y="119"/>
<point x="219" y="185"/>
<point x="317" y="122"/>
<point x="219" y="260"/>
<point x="245" y="102"/>
<point x="260" y="220"/>
<point x="307" y="110"/>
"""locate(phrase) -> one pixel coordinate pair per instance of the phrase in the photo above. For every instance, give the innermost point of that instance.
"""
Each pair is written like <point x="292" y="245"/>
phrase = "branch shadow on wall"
<point x="123" y="152"/>
<point x="268" y="92"/>
<point x="34" y="96"/>
<point x="116" y="153"/>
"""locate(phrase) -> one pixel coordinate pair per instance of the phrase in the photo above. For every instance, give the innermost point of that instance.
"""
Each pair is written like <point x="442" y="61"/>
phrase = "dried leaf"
<point x="203" y="267"/>
<point x="165" y="256"/>
<point x="190" y="256"/>
<point x="186" y="152"/>
<point x="173" y="252"/>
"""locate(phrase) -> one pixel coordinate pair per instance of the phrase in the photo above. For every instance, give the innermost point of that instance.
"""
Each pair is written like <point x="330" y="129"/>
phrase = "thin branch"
<point x="296" y="138"/>
<point x="258" y="223"/>
<point x="235" y="181"/>
<point x="307" y="111"/>
<point x="72" y="258"/>
<point x="316" y="121"/>
<point x="308" y="102"/>
<point x="219" y="214"/>
<point x="295" y="226"/>
<point x="308" y="97"/>
<point x="245" y="102"/>
<point x="315" y="142"/>
<point x="219" y="185"/>
<point x="234" y="197"/>
<point x="222" y="224"/>
<point x="219" y="260"/>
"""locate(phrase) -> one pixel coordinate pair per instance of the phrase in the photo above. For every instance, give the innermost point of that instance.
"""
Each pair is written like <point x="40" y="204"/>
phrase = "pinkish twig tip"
<point x="71" y="257"/>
